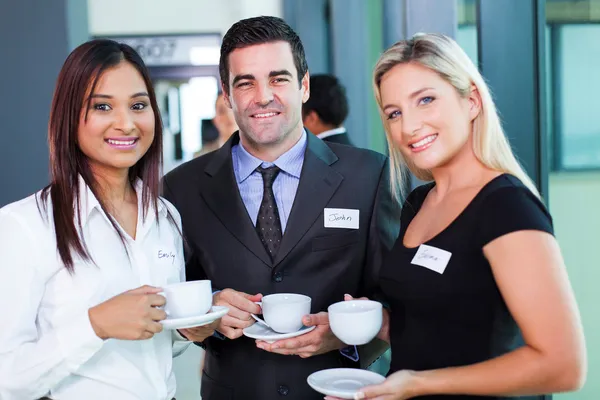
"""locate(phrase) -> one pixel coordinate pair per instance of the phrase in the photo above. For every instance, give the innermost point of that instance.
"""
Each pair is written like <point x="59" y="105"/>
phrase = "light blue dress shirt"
<point x="285" y="186"/>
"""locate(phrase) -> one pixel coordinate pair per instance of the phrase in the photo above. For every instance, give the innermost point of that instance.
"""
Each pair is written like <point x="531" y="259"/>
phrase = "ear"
<point x="305" y="87"/>
<point x="311" y="118"/>
<point x="225" y="95"/>
<point x="475" y="103"/>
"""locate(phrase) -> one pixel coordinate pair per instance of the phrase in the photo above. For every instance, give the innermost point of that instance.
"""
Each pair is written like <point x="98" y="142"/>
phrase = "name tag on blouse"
<point x="432" y="258"/>
<point x="166" y="256"/>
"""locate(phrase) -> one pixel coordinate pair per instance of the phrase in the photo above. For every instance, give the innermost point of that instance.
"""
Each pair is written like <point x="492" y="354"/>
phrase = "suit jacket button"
<point x="278" y="277"/>
<point x="283" y="390"/>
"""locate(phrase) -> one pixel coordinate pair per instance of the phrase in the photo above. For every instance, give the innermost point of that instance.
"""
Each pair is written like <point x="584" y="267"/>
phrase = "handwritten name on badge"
<point x="432" y="258"/>
<point x="341" y="218"/>
<point x="166" y="255"/>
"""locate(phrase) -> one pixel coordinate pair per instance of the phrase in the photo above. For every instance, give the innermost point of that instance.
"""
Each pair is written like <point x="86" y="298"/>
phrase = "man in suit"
<point x="326" y="210"/>
<point x="325" y="111"/>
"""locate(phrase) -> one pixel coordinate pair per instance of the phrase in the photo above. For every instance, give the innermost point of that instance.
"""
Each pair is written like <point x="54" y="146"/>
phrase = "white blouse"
<point x="47" y="344"/>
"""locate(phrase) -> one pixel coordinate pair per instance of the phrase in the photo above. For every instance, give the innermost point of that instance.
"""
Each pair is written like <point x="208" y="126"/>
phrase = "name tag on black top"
<point x="432" y="258"/>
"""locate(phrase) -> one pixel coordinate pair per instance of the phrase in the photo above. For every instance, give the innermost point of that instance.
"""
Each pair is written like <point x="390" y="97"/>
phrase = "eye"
<point x="139" y="106"/>
<point x="101" y="107"/>
<point x="394" y="114"/>
<point x="427" y="100"/>
<point x="280" y="80"/>
<point x="243" y="84"/>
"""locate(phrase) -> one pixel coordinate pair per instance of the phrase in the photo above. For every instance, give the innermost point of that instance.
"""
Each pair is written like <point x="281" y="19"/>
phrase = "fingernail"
<point x="359" y="396"/>
<point x="347" y="297"/>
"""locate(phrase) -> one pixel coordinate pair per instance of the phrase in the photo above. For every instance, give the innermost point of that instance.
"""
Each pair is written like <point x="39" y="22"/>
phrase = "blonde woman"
<point x="480" y="303"/>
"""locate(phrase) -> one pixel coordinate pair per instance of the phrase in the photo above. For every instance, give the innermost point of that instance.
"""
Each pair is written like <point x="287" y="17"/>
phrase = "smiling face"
<point x="265" y="96"/>
<point x="427" y="118"/>
<point x="119" y="127"/>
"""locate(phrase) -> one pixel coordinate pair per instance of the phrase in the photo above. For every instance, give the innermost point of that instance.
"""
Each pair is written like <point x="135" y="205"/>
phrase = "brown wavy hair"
<point x="76" y="83"/>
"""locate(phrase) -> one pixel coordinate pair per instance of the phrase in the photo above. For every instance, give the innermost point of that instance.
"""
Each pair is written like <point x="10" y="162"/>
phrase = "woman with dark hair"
<point x="84" y="259"/>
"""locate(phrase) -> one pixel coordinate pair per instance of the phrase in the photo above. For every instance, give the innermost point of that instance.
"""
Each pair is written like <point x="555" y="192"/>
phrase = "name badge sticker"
<point x="432" y="258"/>
<point x="341" y="218"/>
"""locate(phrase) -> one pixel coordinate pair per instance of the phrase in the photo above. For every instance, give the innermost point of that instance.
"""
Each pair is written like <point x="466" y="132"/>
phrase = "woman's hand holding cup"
<point x="132" y="315"/>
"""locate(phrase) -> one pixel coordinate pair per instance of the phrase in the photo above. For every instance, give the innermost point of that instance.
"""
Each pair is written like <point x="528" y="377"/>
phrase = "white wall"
<point x="574" y="199"/>
<point x="133" y="17"/>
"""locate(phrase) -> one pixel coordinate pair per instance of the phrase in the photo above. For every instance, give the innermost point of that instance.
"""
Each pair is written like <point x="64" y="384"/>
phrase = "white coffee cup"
<point x="187" y="299"/>
<point x="283" y="312"/>
<point x="355" y="322"/>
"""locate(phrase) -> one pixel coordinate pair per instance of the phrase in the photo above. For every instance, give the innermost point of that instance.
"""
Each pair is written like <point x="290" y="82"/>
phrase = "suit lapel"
<point x="318" y="183"/>
<point x="223" y="197"/>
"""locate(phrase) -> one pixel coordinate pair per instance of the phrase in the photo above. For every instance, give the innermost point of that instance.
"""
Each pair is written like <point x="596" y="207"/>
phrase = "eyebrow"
<point x="280" y="72"/>
<point x="411" y="96"/>
<point x="106" y="96"/>
<point x="252" y="77"/>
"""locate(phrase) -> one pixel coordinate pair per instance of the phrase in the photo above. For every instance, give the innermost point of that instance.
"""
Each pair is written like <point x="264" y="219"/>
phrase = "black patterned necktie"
<point x="268" y="224"/>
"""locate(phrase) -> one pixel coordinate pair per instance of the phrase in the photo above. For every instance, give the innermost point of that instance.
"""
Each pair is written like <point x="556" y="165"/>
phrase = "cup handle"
<point x="256" y="318"/>
<point x="163" y="307"/>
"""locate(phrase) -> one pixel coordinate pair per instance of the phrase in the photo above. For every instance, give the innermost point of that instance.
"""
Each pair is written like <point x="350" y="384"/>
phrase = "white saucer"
<point x="215" y="313"/>
<point x="261" y="332"/>
<point x="343" y="382"/>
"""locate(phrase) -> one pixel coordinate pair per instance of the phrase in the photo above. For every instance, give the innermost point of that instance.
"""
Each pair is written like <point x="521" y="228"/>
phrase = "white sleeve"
<point x="32" y="364"/>
<point x="180" y="343"/>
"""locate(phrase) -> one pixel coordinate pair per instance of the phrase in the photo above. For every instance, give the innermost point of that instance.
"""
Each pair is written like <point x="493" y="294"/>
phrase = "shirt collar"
<point x="89" y="202"/>
<point x="289" y="162"/>
<point x="331" y="132"/>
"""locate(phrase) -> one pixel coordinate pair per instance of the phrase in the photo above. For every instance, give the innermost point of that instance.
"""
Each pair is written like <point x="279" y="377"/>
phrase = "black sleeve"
<point x="193" y="268"/>
<point x="383" y="231"/>
<point x="512" y="209"/>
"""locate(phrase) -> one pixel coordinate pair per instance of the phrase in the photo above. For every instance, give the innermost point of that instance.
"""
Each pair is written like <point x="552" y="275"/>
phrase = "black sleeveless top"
<point x="456" y="316"/>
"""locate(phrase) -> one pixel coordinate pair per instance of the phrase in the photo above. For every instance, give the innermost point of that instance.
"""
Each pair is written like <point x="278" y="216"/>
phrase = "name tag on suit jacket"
<point x="341" y="218"/>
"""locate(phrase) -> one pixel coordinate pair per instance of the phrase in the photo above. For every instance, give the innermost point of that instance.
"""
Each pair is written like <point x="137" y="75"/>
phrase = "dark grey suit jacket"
<point x="341" y="138"/>
<point x="323" y="263"/>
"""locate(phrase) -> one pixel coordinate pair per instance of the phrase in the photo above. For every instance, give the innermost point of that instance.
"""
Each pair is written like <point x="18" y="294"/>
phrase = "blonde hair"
<point x="443" y="55"/>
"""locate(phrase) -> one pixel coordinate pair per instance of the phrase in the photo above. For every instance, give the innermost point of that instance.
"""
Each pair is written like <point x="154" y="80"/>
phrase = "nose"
<point x="264" y="95"/>
<point x="411" y="123"/>
<point x="124" y="121"/>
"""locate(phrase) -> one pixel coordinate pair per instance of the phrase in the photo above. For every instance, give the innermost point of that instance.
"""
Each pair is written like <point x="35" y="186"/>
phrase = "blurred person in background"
<point x="224" y="120"/>
<point x="225" y="124"/>
<point x="325" y="111"/>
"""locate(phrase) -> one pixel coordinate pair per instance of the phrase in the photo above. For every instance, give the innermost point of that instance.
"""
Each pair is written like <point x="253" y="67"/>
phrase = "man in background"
<point x="326" y="110"/>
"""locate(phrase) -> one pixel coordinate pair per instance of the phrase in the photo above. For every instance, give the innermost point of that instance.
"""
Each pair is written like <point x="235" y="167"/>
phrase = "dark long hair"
<point x="75" y="85"/>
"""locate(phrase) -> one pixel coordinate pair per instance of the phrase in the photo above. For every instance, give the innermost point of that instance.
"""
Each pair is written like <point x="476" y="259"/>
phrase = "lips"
<point x="423" y="143"/>
<point x="122" y="143"/>
<point x="265" y="114"/>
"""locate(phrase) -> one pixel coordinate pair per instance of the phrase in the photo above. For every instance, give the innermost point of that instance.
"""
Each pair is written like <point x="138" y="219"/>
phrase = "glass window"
<point x="466" y="34"/>
<point x="572" y="57"/>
